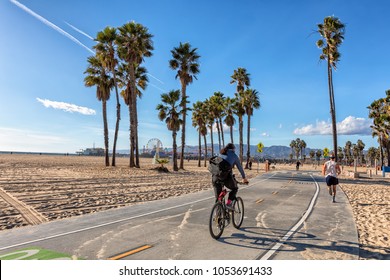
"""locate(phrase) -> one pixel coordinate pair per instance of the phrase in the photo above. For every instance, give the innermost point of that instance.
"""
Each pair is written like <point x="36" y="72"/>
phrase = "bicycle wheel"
<point x="217" y="221"/>
<point x="238" y="213"/>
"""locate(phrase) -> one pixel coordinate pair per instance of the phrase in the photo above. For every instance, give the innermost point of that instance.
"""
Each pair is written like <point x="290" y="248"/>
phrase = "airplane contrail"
<point x="155" y="78"/>
<point x="80" y="31"/>
<point x="50" y="24"/>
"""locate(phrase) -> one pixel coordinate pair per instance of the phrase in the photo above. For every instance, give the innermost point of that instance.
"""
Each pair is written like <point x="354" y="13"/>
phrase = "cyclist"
<point x="228" y="154"/>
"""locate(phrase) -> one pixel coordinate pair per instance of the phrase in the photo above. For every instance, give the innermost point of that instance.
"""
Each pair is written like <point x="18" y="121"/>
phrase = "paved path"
<point x="288" y="215"/>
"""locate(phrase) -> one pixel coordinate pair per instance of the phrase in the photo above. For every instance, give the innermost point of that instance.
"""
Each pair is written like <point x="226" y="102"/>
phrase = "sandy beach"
<point x="39" y="188"/>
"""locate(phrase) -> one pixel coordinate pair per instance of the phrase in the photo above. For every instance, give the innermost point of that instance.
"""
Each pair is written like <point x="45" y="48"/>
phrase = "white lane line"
<point x="296" y="226"/>
<point x="117" y="221"/>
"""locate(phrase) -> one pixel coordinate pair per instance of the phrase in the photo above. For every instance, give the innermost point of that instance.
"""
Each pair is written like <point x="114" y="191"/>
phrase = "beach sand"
<point x="39" y="188"/>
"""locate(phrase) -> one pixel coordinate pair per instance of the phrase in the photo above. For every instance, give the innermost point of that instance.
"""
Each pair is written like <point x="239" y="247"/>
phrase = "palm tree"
<point x="293" y="145"/>
<point x="241" y="78"/>
<point x="134" y="44"/>
<point x="199" y="121"/>
<point x="169" y="111"/>
<point x="210" y="120"/>
<point x="347" y="151"/>
<point x="332" y="33"/>
<point x="97" y="76"/>
<point x="185" y="61"/>
<point x="229" y="115"/>
<point x="251" y="102"/>
<point x="360" y="146"/>
<point x="303" y="146"/>
<point x="105" y="50"/>
<point x="379" y="112"/>
<point x="217" y="101"/>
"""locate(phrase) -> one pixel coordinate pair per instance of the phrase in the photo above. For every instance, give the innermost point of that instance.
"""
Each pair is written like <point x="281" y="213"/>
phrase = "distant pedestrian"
<point x="330" y="170"/>
<point x="298" y="164"/>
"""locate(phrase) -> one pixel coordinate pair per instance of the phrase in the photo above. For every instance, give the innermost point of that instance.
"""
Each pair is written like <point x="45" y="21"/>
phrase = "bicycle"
<point x="220" y="216"/>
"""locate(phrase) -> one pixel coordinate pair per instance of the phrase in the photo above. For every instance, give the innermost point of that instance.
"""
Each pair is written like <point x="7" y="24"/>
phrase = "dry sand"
<point x="39" y="188"/>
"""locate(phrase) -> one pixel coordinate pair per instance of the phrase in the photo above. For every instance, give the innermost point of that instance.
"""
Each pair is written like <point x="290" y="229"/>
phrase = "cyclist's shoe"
<point x="230" y="206"/>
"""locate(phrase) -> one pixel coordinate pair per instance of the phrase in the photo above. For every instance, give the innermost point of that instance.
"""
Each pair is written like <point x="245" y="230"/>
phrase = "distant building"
<point x="91" y="152"/>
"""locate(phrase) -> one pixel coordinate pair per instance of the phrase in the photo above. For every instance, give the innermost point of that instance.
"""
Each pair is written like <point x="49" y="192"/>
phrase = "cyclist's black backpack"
<point x="219" y="167"/>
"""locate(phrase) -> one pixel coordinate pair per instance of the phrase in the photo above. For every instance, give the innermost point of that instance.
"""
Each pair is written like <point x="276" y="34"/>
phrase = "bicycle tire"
<point x="217" y="221"/>
<point x="238" y="213"/>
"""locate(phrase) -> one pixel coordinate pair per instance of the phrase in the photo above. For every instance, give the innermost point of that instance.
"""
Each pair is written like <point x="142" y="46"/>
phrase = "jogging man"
<point x="330" y="170"/>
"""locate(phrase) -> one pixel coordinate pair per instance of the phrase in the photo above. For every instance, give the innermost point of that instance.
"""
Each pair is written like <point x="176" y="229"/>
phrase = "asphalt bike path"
<point x="288" y="215"/>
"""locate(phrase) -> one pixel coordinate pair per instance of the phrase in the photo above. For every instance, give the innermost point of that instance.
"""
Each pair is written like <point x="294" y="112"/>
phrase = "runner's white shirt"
<point x="330" y="168"/>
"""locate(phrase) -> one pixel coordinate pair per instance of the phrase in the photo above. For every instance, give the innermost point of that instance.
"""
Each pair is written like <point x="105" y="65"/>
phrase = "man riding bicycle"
<point x="229" y="155"/>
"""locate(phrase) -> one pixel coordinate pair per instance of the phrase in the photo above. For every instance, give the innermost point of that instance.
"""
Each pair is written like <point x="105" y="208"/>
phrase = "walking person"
<point x="330" y="170"/>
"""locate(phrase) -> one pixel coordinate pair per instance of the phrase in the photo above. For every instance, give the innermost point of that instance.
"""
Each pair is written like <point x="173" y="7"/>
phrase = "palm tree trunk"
<point x="105" y="127"/>
<point x="241" y="128"/>
<point x="212" y="140"/>
<point x="199" y="148"/>
<point x="183" y="131"/>
<point x="175" y="168"/>
<point x="136" y="133"/>
<point x="219" y="135"/>
<point x="133" y="124"/>
<point x="231" y="134"/>
<point x="332" y="109"/>
<point x="248" y="153"/>
<point x="205" y="149"/>
<point x="118" y="118"/>
<point x="223" y="138"/>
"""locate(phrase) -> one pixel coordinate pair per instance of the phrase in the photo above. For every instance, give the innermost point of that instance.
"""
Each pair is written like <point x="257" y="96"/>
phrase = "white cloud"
<point x="265" y="134"/>
<point x="349" y="126"/>
<point x="66" y="107"/>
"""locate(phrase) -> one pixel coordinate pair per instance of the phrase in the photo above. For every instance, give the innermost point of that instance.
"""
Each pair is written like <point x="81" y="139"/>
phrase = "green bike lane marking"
<point x="36" y="253"/>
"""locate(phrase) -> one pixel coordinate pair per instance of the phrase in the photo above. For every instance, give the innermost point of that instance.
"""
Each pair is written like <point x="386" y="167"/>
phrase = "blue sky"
<point x="45" y="106"/>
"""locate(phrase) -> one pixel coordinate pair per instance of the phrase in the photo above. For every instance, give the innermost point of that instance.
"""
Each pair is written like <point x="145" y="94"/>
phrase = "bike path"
<point x="328" y="233"/>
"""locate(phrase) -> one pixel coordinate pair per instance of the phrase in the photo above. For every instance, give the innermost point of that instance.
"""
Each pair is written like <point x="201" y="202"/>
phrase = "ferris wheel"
<point x="154" y="144"/>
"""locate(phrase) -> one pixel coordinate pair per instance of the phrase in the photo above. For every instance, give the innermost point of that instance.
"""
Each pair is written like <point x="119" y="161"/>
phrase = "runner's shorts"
<point x="331" y="181"/>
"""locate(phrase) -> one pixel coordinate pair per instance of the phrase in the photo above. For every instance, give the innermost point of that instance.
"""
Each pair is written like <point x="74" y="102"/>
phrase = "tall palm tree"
<point x="251" y="102"/>
<point x="210" y="120"/>
<point x="185" y="61"/>
<point x="347" y="151"/>
<point x="97" y="76"/>
<point x="169" y="111"/>
<point x="241" y="78"/>
<point x="105" y="50"/>
<point x="379" y="112"/>
<point x="360" y="146"/>
<point x="229" y="115"/>
<point x="332" y="32"/>
<point x="134" y="44"/>
<point x="199" y="121"/>
<point x="217" y="101"/>
<point x="303" y="147"/>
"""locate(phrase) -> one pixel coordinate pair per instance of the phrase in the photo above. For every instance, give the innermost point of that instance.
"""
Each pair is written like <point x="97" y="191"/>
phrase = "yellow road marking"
<point x="275" y="193"/>
<point x="131" y="252"/>
<point x="259" y="200"/>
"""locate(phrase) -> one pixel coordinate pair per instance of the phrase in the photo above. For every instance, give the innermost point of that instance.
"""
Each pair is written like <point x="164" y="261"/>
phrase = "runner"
<point x="330" y="170"/>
